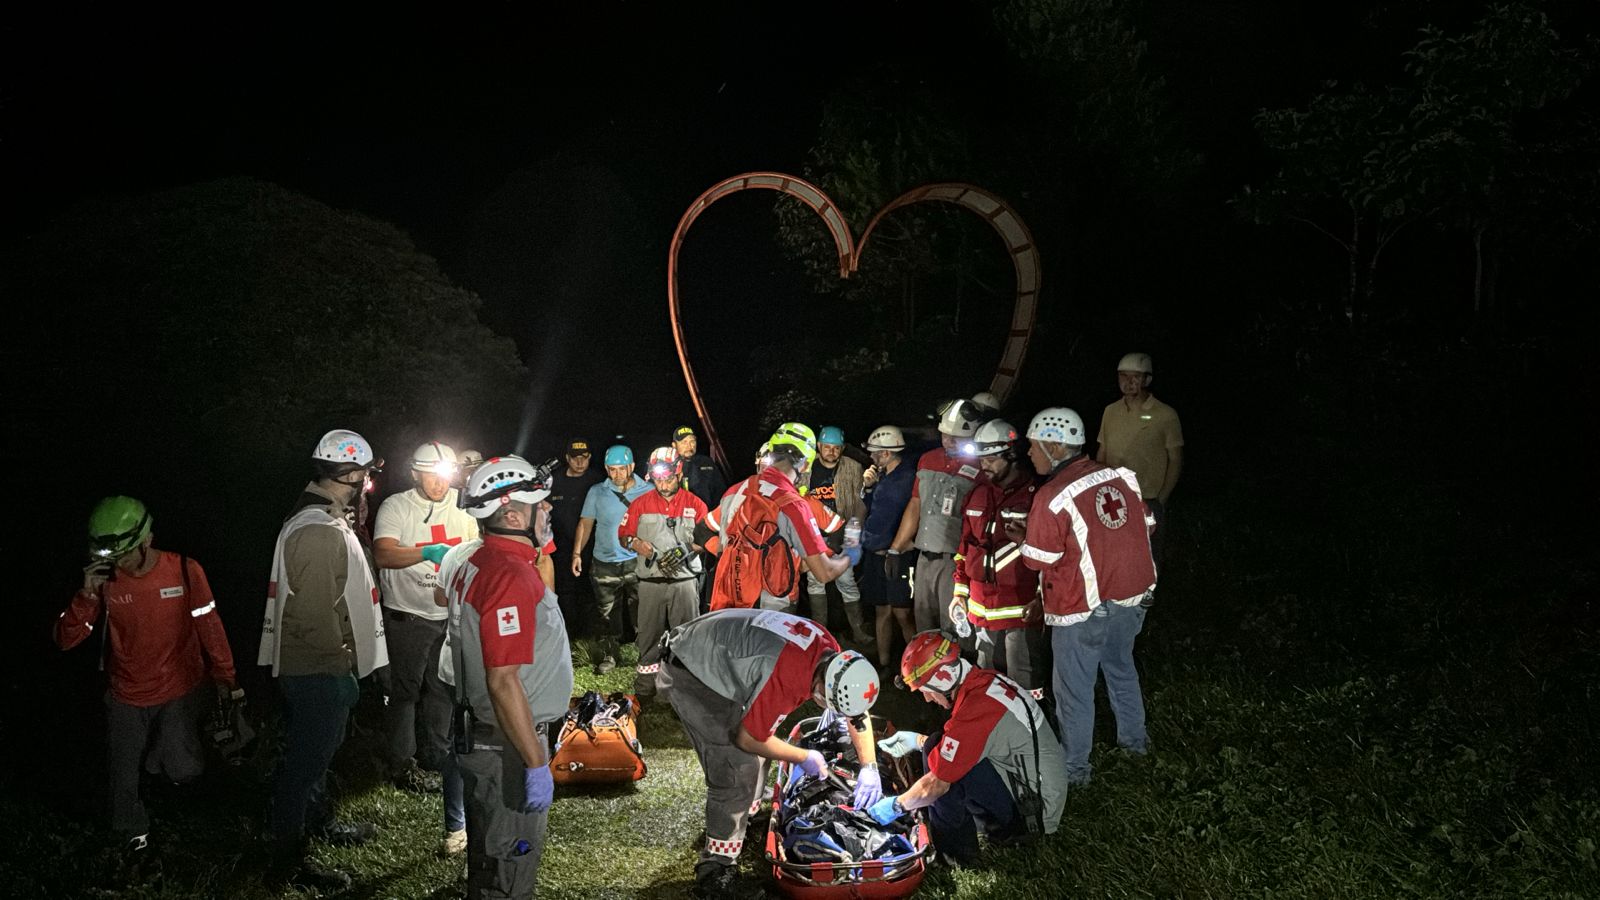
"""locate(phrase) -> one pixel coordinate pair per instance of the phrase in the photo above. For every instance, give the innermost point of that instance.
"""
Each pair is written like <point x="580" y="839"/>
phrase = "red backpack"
<point x="756" y="557"/>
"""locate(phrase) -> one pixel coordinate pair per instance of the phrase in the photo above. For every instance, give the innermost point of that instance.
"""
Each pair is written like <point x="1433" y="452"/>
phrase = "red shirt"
<point x="681" y="505"/>
<point x="972" y="719"/>
<point x="157" y="632"/>
<point x="505" y="592"/>
<point x="790" y="682"/>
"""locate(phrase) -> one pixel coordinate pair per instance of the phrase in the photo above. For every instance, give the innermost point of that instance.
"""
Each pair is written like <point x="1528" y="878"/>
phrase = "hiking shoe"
<point x="714" y="881"/>
<point x="454" y="843"/>
<point x="136" y="843"/>
<point x="605" y="665"/>
<point x="312" y="875"/>
<point x="348" y="834"/>
<point x="417" y="780"/>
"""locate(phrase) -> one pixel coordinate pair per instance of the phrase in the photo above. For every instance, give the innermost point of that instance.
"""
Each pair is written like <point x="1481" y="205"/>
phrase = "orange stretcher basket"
<point x="879" y="879"/>
<point x="607" y="752"/>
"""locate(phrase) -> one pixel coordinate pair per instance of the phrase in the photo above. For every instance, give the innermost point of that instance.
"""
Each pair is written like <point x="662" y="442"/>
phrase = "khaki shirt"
<point x="1139" y="439"/>
<point x="316" y="634"/>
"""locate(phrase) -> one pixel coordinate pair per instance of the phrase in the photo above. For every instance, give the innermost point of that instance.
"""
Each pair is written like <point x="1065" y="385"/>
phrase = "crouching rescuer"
<point x="733" y="676"/>
<point x="513" y="676"/>
<point x="996" y="764"/>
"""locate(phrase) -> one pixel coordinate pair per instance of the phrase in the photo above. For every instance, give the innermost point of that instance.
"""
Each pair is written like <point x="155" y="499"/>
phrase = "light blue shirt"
<point x="601" y="505"/>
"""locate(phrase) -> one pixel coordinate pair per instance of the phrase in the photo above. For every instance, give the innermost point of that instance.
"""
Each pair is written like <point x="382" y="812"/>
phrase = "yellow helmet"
<point x="798" y="436"/>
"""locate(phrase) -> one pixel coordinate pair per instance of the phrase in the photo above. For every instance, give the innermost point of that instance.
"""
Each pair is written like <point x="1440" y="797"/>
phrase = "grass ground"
<point x="1334" y="712"/>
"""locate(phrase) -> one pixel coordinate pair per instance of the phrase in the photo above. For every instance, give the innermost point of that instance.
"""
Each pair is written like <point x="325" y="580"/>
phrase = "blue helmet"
<point x="831" y="434"/>
<point x="618" y="455"/>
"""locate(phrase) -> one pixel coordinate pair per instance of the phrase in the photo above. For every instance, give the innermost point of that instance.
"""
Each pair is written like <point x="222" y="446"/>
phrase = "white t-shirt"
<point x="414" y="521"/>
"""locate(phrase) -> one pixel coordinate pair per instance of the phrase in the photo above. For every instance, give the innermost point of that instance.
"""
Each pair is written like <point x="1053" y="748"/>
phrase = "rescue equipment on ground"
<point x="599" y="741"/>
<point x="821" y="847"/>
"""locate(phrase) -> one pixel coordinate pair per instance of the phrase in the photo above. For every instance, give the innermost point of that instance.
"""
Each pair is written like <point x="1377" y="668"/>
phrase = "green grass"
<point x="1331" y="714"/>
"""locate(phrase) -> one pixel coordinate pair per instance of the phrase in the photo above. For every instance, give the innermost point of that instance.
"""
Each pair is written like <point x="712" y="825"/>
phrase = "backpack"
<point x="756" y="558"/>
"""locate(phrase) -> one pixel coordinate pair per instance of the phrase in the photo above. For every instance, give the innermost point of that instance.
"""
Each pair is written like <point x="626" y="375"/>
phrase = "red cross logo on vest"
<point x="1005" y="686"/>
<point x="436" y="536"/>
<point x="799" y="629"/>
<point x="1110" y="506"/>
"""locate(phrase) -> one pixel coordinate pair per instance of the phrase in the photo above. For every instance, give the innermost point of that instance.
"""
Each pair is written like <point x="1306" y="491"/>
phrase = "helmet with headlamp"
<point x="502" y="480"/>
<point x="435" y="459"/>
<point x="665" y="463"/>
<point x="993" y="438"/>
<point x="117" y="527"/>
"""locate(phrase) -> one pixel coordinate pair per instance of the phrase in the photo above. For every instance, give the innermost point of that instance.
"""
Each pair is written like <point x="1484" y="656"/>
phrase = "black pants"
<point x="163" y="740"/>
<point x="980" y="797"/>
<point x="316" y="709"/>
<point x="416" y="718"/>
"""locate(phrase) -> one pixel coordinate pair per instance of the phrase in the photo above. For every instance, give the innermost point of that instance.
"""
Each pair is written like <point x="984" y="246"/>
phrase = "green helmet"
<point x="117" y="527"/>
<point x="798" y="436"/>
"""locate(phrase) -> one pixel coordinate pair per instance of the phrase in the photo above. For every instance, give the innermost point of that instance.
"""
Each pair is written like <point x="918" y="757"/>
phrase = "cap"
<point x="578" y="448"/>
<point x="682" y="432"/>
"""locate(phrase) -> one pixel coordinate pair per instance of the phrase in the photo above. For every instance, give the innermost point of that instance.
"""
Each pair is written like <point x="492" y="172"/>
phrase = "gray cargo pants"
<point x="1018" y="652"/>
<point x="163" y="740"/>
<point x="734" y="778"/>
<point x="932" y="589"/>
<point x="663" y="605"/>
<point x="504" y="841"/>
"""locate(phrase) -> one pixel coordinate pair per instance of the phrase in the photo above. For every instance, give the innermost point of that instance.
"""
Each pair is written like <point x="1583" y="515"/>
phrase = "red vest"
<point x="989" y="563"/>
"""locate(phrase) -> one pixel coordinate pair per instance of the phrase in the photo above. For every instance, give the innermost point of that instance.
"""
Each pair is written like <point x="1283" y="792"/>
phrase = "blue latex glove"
<point x="813" y="764"/>
<point x="869" y="787"/>
<point x="539" y="788"/>
<point x="900" y="743"/>
<point x="853" y="554"/>
<point x="434" y="553"/>
<point x="886" y="810"/>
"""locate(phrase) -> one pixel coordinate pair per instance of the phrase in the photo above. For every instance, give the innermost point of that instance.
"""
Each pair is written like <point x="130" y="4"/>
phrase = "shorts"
<point x="877" y="589"/>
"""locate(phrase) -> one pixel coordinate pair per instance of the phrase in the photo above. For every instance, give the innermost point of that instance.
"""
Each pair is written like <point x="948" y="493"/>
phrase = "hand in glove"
<point x="886" y="810"/>
<point x="869" y="787"/>
<point x="900" y="743"/>
<point x="813" y="765"/>
<point x="539" y="788"/>
<point x="853" y="554"/>
<point x="434" y="553"/>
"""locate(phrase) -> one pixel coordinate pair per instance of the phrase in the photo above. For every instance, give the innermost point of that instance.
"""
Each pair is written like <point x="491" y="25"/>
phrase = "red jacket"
<point x="1089" y="535"/>
<point x="157" y="631"/>
<point x="988" y="563"/>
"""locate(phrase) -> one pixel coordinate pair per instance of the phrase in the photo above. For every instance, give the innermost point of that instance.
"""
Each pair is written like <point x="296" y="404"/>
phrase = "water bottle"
<point x="852" y="532"/>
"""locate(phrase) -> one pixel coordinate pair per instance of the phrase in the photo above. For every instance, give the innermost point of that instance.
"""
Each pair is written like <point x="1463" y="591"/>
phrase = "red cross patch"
<point x="1111" y="507"/>
<point x="507" y="619"/>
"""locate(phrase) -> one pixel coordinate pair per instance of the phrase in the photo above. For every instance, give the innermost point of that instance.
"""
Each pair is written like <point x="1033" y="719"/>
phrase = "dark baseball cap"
<point x="578" y="448"/>
<point x="682" y="432"/>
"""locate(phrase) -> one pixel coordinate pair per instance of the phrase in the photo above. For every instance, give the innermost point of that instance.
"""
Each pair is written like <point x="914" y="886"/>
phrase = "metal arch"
<point x="999" y="214"/>
<point x="1024" y="259"/>
<point x="798" y="188"/>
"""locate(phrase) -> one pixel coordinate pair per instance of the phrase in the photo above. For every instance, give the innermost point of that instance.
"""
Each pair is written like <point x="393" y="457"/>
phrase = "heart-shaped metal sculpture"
<point x="1006" y="222"/>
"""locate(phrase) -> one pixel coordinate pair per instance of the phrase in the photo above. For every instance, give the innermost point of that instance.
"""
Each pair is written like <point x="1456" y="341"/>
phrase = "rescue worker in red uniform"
<point x="994" y="591"/>
<point x="1088" y="534"/>
<point x="733" y="676"/>
<point x="164" y="649"/>
<point x="659" y="527"/>
<point x="932" y="520"/>
<point x="994" y="764"/>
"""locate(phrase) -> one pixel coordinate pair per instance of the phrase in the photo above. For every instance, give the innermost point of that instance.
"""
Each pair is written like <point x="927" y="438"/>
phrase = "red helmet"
<point x="665" y="463"/>
<point x="925" y="657"/>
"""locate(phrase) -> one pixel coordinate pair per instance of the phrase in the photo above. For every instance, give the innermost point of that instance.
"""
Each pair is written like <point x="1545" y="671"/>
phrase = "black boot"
<point x="291" y="864"/>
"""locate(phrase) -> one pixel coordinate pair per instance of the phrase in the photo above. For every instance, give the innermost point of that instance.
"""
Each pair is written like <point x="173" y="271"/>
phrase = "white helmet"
<point x="986" y="402"/>
<point x="1058" y="425"/>
<point x="435" y="458"/>
<point x="959" y="418"/>
<point x="1137" y="362"/>
<point x="342" y="446"/>
<point x="501" y="480"/>
<point x="887" y="437"/>
<point x="849" y="683"/>
<point x="470" y="459"/>
<point x="994" y="437"/>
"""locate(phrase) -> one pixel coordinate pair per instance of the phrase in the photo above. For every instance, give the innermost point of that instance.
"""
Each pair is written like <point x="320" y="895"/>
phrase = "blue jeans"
<point x="455" y="795"/>
<point x="316" y="708"/>
<point x="1101" y="643"/>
